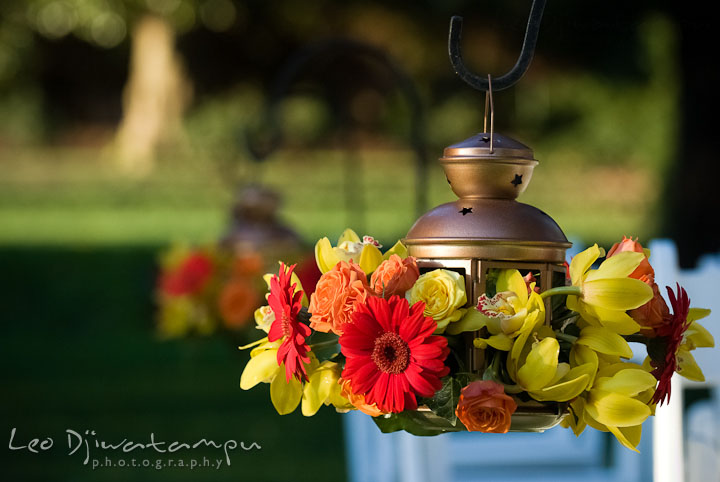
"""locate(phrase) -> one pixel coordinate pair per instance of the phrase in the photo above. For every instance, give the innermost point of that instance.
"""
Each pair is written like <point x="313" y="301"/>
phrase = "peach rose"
<point x="358" y="401"/>
<point x="237" y="302"/>
<point x="337" y="293"/>
<point x="394" y="276"/>
<point x="484" y="407"/>
<point x="644" y="270"/>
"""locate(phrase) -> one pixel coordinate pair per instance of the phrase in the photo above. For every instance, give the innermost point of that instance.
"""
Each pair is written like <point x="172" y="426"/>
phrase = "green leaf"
<point x="416" y="423"/>
<point x="445" y="400"/>
<point x="324" y="345"/>
<point x="491" y="279"/>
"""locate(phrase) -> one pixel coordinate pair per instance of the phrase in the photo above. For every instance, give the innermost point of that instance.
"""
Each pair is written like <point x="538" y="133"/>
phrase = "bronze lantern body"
<point x="486" y="229"/>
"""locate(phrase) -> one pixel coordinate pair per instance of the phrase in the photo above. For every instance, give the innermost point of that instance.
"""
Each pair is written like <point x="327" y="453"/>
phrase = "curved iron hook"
<point x="522" y="64"/>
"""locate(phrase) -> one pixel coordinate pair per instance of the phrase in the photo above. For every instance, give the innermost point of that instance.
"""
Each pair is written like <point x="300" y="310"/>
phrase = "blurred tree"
<point x="158" y="89"/>
<point x="156" y="94"/>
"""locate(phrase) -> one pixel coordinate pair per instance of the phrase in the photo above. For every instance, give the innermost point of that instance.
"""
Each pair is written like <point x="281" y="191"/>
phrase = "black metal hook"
<point x="522" y="64"/>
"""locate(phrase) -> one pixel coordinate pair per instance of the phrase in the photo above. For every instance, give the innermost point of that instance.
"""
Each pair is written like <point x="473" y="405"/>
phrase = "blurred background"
<point x="128" y="125"/>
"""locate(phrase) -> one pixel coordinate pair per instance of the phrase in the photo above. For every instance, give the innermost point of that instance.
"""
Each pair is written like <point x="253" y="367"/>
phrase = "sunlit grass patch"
<point x="61" y="197"/>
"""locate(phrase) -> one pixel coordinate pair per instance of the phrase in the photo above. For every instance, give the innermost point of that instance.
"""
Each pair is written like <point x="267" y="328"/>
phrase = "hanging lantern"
<point x="485" y="230"/>
<point x="474" y="321"/>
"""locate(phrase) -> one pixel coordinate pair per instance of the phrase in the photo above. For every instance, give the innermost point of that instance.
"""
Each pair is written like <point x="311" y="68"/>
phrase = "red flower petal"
<point x="286" y="304"/>
<point x="391" y="354"/>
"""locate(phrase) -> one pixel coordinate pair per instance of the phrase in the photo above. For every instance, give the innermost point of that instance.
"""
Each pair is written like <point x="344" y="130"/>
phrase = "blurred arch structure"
<point x="269" y="138"/>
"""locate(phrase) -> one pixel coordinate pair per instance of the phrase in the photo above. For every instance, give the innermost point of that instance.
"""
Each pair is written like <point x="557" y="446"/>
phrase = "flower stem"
<point x="255" y="343"/>
<point x="321" y="344"/>
<point x="492" y="372"/>
<point x="566" y="337"/>
<point x="637" y="339"/>
<point x="513" y="389"/>
<point x="562" y="290"/>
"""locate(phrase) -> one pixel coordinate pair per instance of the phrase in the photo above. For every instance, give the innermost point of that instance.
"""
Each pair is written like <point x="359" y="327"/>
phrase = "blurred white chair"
<point x="671" y="439"/>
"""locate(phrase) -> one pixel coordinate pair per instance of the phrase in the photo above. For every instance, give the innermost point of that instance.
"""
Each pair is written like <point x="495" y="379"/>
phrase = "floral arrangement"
<point x="378" y="336"/>
<point x="201" y="290"/>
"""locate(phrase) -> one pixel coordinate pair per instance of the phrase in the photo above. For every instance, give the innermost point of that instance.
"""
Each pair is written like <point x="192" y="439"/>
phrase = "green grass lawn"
<point x="75" y="197"/>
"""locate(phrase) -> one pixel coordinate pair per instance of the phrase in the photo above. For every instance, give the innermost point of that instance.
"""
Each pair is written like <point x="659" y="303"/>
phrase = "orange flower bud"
<point x="644" y="269"/>
<point x="655" y="312"/>
<point x="652" y="314"/>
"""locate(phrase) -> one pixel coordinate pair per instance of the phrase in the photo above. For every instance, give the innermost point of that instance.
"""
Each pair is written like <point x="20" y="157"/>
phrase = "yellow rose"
<point x="443" y="293"/>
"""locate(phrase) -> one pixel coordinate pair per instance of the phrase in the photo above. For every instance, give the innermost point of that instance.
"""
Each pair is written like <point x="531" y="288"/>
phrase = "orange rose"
<point x="627" y="244"/>
<point x="358" y="401"/>
<point x="337" y="293"/>
<point x="237" y="302"/>
<point x="394" y="276"/>
<point x="484" y="407"/>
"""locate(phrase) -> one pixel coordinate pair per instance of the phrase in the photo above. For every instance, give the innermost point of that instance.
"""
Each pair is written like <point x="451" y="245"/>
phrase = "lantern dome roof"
<point x="487" y="222"/>
<point x="487" y="228"/>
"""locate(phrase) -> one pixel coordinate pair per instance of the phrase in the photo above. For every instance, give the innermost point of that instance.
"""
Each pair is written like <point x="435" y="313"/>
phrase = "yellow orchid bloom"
<point x="263" y="367"/>
<point x="534" y="365"/>
<point x="505" y="314"/>
<point x="696" y="336"/>
<point x="364" y="252"/>
<point x="618" y="402"/>
<point x="605" y="341"/>
<point x="321" y="388"/>
<point x="602" y="296"/>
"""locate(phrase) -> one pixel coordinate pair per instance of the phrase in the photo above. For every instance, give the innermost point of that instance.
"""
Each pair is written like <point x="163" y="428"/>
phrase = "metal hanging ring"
<point x="489" y="97"/>
<point x="522" y="64"/>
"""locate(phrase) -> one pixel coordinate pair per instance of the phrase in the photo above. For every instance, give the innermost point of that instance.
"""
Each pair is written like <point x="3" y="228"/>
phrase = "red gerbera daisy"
<point x="285" y="303"/>
<point x="392" y="355"/>
<point x="670" y="335"/>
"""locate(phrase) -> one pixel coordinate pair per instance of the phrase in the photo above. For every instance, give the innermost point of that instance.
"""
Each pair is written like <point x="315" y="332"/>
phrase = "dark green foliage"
<point x="78" y="351"/>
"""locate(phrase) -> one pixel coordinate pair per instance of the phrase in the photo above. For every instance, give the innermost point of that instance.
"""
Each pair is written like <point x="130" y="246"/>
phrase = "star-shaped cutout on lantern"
<point x="465" y="211"/>
<point x="517" y="181"/>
